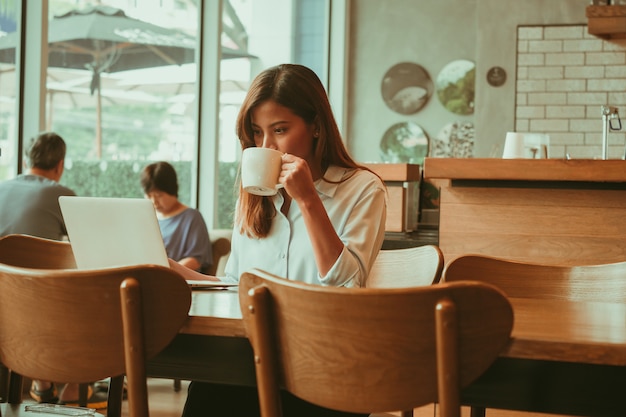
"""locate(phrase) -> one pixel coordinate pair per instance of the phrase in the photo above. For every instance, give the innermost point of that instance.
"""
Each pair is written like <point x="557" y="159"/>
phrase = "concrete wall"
<point x="433" y="33"/>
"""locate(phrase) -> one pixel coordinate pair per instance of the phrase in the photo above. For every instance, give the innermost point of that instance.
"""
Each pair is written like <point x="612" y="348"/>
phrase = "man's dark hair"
<point x="45" y="151"/>
<point x="159" y="176"/>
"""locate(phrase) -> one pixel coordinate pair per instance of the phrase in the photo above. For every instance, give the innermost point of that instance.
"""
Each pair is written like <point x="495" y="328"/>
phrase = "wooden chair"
<point x="603" y="283"/>
<point x="220" y="247"/>
<point x="98" y="324"/>
<point x="397" y="268"/>
<point x="371" y="350"/>
<point x="36" y="252"/>
<point x="401" y="268"/>
<point x="592" y="283"/>
<point x="32" y="252"/>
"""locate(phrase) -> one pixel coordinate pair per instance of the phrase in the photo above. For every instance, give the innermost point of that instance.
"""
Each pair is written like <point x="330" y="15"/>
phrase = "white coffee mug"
<point x="260" y="168"/>
<point x="513" y="146"/>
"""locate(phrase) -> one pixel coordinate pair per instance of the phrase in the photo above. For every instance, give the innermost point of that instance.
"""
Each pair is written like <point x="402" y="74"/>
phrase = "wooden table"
<point x="564" y="357"/>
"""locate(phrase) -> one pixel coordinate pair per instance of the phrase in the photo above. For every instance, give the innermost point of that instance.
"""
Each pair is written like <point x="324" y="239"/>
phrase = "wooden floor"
<point x="163" y="400"/>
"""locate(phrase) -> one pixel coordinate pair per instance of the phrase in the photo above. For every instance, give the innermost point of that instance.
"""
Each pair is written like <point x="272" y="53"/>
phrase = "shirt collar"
<point x="333" y="173"/>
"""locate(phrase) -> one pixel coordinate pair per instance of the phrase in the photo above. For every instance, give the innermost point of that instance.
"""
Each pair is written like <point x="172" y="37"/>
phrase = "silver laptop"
<point x="112" y="232"/>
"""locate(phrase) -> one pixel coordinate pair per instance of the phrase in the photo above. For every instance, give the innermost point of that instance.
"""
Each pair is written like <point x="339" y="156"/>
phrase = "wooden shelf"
<point x="607" y="22"/>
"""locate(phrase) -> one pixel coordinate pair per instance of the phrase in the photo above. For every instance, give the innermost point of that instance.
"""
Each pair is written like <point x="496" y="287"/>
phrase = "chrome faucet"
<point x="609" y="115"/>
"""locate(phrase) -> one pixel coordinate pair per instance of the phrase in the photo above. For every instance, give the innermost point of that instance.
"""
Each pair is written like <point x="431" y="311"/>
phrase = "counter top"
<point x="553" y="211"/>
<point x="588" y="170"/>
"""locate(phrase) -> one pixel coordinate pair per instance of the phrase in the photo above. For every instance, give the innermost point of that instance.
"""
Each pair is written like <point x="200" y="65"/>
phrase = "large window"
<point x="8" y="91"/>
<point x="121" y="91"/>
<point x="124" y="91"/>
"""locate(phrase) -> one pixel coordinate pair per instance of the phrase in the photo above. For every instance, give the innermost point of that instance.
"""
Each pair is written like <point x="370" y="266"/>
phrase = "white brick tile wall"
<point x="564" y="76"/>
<point x="566" y="58"/>
<point x="566" y="85"/>
<point x="588" y="71"/>
<point x="547" y="98"/>
<point x="546" y="73"/>
<point x="590" y="98"/>
<point x="527" y="59"/>
<point x="605" y="58"/>
<point x="617" y="97"/>
<point x="549" y="125"/>
<point x="614" y="71"/>
<point x="578" y="45"/>
<point x="560" y="112"/>
<point x="584" y="125"/>
<point x="531" y="112"/>
<point x="564" y="32"/>
<point x="545" y="46"/>
<point x="530" y="32"/>
<point x="526" y="86"/>
<point x="607" y="84"/>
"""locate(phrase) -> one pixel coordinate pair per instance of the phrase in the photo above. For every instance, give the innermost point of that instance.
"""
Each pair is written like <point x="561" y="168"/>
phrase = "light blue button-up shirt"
<point x="356" y="208"/>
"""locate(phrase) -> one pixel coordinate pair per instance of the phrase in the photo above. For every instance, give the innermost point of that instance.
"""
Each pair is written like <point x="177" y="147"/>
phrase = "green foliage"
<point x="459" y="97"/>
<point x="227" y="194"/>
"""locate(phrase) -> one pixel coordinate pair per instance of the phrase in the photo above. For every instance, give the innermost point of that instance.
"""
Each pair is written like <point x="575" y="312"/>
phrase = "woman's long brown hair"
<point x="299" y="89"/>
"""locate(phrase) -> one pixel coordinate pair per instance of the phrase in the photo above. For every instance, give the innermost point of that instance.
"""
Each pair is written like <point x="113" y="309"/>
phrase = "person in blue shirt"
<point x="183" y="229"/>
<point x="325" y="226"/>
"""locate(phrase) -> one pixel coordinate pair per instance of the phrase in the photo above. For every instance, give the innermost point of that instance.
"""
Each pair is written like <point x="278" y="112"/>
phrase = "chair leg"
<point x="4" y="383"/>
<point x="177" y="385"/>
<point x="83" y="394"/>
<point x="476" y="411"/>
<point x="15" y="388"/>
<point x="116" y="393"/>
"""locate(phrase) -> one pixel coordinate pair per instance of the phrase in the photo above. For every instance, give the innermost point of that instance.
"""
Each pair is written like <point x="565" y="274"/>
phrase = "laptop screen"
<point x="110" y="232"/>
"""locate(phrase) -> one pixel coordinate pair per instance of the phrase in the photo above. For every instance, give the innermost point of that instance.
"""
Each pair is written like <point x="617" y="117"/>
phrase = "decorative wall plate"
<point x="406" y="88"/>
<point x="455" y="86"/>
<point x="496" y="76"/>
<point x="404" y="142"/>
<point x="454" y="140"/>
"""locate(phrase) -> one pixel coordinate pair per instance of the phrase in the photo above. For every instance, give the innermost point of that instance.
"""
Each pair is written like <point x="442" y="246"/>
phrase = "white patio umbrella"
<point x="102" y="39"/>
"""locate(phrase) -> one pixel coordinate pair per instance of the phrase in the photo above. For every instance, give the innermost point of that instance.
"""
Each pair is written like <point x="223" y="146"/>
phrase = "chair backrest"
<point x="220" y="248"/>
<point x="35" y="252"/>
<point x="396" y="268"/>
<point x="602" y="283"/>
<point x="369" y="349"/>
<point x="84" y="325"/>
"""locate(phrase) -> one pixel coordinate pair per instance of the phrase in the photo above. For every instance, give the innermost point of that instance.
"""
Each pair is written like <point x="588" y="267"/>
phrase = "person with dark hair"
<point x="325" y="226"/>
<point x="184" y="231"/>
<point x="29" y="204"/>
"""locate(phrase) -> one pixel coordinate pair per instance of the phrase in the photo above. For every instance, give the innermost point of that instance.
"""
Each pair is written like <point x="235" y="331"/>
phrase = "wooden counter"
<point x="569" y="212"/>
